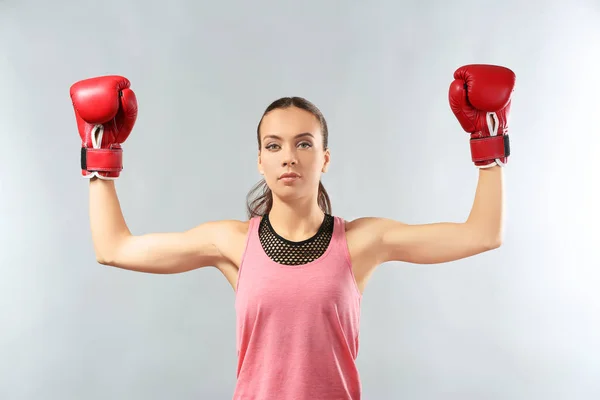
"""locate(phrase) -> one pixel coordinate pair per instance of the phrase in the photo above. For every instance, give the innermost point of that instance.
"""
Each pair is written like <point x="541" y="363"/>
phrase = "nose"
<point x="289" y="158"/>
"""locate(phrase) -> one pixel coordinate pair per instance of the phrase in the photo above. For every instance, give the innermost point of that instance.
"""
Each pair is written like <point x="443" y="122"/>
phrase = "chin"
<point x="288" y="192"/>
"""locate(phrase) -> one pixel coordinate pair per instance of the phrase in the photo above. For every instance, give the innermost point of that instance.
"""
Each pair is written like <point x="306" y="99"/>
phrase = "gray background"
<point x="520" y="322"/>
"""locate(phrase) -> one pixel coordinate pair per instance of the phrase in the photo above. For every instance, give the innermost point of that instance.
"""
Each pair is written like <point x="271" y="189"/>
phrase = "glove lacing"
<point x="493" y="125"/>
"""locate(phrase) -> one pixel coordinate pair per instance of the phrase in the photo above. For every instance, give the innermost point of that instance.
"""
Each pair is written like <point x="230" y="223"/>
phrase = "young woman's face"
<point x="292" y="142"/>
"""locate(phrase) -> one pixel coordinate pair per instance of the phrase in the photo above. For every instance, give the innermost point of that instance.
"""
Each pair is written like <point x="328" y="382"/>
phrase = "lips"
<point x="289" y="175"/>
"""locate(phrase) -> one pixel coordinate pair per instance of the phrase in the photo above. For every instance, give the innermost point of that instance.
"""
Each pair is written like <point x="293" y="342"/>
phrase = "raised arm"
<point x="161" y="253"/>
<point x="106" y="111"/>
<point x="480" y="97"/>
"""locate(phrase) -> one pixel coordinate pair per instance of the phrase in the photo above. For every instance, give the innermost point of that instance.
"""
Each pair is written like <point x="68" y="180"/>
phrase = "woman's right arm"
<point x="160" y="253"/>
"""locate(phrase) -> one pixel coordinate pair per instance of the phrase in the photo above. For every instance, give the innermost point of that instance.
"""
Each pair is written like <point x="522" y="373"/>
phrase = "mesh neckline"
<point x="322" y="228"/>
<point x="287" y="252"/>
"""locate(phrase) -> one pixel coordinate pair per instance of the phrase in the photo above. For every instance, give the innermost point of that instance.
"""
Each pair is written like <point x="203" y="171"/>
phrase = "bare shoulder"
<point x="375" y="231"/>
<point x="367" y="226"/>
<point x="230" y="239"/>
<point x="362" y="238"/>
<point x="360" y="231"/>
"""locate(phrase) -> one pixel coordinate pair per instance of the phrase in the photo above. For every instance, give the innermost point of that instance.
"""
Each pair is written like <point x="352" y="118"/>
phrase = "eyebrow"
<point x="295" y="137"/>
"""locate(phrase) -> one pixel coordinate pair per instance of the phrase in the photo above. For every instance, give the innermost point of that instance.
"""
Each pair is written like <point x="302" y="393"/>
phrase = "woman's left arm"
<point x="444" y="241"/>
<point x="480" y="98"/>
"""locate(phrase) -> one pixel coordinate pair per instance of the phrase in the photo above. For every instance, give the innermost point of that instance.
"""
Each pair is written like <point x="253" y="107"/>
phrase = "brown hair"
<point x="260" y="198"/>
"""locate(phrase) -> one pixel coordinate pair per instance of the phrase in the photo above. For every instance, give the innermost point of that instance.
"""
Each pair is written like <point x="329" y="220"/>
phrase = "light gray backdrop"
<point x="521" y="322"/>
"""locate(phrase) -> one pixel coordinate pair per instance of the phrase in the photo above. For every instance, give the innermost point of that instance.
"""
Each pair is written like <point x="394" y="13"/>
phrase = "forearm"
<point x="106" y="218"/>
<point x="487" y="213"/>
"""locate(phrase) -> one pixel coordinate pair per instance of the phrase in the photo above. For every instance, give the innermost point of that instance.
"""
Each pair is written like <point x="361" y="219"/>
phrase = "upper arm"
<point x="175" y="252"/>
<point x="424" y="243"/>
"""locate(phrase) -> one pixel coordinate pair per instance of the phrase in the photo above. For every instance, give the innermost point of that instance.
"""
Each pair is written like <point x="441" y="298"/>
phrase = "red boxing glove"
<point x="106" y="110"/>
<point x="480" y="97"/>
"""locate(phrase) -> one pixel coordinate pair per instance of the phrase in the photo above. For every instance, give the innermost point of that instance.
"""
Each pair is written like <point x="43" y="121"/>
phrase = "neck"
<point x="296" y="221"/>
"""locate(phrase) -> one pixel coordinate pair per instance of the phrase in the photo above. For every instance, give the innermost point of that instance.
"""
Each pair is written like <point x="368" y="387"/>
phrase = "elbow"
<point x="493" y="242"/>
<point x="487" y="238"/>
<point x="103" y="260"/>
<point x="106" y="255"/>
<point x="110" y="255"/>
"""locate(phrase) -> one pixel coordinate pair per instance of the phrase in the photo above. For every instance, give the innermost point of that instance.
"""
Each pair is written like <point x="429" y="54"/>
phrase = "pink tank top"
<point x="297" y="326"/>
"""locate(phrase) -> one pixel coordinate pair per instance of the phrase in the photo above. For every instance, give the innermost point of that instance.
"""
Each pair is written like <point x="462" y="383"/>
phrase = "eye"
<point x="270" y="146"/>
<point x="308" y="144"/>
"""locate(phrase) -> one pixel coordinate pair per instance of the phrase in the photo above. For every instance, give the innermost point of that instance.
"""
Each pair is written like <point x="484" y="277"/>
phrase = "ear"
<point x="327" y="159"/>
<point x="259" y="165"/>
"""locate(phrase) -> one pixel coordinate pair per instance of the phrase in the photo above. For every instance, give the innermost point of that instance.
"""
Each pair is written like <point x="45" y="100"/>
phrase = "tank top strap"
<point x="338" y="239"/>
<point x="250" y="246"/>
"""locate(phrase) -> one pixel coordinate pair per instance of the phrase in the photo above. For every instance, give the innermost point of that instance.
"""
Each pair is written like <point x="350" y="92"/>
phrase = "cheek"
<point x="271" y="162"/>
<point x="269" y="165"/>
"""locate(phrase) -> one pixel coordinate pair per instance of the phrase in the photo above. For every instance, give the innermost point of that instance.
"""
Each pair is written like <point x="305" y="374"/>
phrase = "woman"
<point x="297" y="270"/>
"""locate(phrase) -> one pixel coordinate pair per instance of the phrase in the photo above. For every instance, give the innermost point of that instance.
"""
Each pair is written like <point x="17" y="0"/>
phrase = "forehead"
<point x="289" y="122"/>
